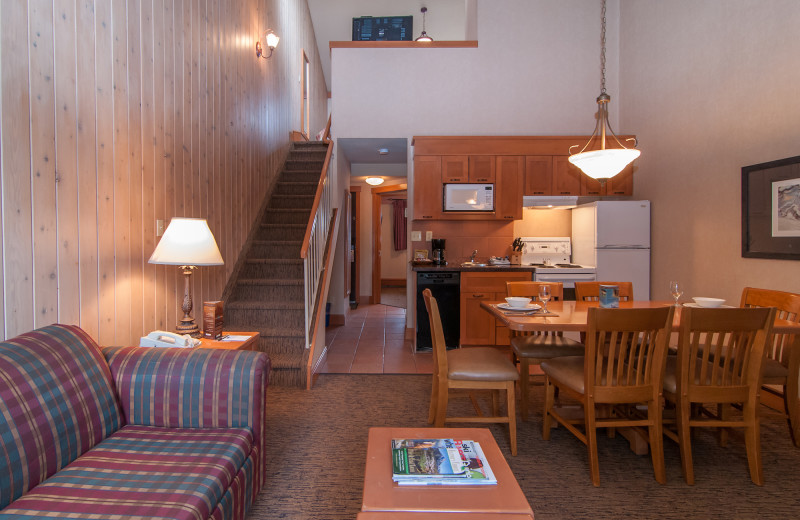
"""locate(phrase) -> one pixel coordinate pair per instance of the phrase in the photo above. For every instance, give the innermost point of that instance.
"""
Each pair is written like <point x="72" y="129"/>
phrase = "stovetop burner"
<point x="556" y="266"/>
<point x="568" y="265"/>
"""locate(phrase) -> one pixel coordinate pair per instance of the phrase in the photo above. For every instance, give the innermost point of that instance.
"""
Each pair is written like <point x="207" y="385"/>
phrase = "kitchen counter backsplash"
<point x="456" y="266"/>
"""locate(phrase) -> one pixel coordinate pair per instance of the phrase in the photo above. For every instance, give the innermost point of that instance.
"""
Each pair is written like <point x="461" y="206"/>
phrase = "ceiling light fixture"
<point x="271" y="40"/>
<point x="374" y="181"/>
<point x="424" y="36"/>
<point x="604" y="163"/>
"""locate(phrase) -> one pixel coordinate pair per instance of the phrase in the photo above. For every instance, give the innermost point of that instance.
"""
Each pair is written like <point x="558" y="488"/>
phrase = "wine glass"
<point x="676" y="290"/>
<point x="544" y="296"/>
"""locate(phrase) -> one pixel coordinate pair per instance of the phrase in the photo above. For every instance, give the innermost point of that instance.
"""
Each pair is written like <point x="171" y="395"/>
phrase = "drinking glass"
<point x="676" y="290"/>
<point x="544" y="296"/>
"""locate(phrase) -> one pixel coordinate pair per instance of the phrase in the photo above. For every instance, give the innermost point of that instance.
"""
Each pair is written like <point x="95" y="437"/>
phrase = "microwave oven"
<point x="468" y="197"/>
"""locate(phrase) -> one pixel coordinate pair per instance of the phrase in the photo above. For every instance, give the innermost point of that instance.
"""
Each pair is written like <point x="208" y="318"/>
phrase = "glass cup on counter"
<point x="676" y="290"/>
<point x="544" y="296"/>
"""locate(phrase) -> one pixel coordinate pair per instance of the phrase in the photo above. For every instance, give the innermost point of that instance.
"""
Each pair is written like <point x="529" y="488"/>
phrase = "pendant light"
<point x="424" y="36"/>
<point x="604" y="163"/>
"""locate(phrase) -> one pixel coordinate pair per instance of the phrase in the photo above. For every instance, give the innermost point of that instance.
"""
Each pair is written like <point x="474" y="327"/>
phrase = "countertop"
<point x="456" y="266"/>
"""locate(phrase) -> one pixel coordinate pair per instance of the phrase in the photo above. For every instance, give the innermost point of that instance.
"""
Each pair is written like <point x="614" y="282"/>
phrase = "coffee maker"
<point x="437" y="245"/>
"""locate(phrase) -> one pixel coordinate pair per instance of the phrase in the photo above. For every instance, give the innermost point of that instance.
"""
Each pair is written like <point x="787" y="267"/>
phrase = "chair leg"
<point x="752" y="438"/>
<point x="524" y="371"/>
<point x="723" y="411"/>
<point x="685" y="440"/>
<point x="657" y="441"/>
<point x="591" y="442"/>
<point x="511" y="403"/>
<point x="548" y="405"/>
<point x="792" y="407"/>
<point x="496" y="403"/>
<point x="434" y="398"/>
<point x="441" y="405"/>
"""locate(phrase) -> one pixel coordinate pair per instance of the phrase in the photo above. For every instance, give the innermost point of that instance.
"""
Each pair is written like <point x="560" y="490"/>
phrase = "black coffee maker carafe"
<point x="437" y="246"/>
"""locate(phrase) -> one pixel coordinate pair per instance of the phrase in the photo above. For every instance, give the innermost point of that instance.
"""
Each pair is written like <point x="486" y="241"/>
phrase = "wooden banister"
<point x="315" y="206"/>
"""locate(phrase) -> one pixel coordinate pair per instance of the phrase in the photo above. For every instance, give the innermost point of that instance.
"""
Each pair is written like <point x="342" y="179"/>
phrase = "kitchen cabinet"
<point x="475" y="169"/>
<point x="478" y="327"/>
<point x="566" y="177"/>
<point x="508" y="187"/>
<point x="621" y="184"/>
<point x="538" y="175"/>
<point x="427" y="187"/>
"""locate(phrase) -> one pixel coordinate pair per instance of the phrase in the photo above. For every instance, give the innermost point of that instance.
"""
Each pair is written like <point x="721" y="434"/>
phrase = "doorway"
<point x="388" y="264"/>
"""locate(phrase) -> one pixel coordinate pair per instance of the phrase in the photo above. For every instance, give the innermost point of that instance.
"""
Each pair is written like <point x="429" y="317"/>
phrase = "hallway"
<point x="373" y="342"/>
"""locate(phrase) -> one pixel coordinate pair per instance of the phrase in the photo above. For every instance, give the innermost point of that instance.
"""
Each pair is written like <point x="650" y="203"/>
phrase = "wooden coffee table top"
<point x="381" y="494"/>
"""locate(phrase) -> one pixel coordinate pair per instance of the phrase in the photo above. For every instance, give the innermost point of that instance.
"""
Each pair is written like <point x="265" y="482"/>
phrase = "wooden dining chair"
<point x="719" y="361"/>
<point x="782" y="365"/>
<point x="532" y="348"/>
<point x="590" y="291"/>
<point x="471" y="368"/>
<point x="621" y="370"/>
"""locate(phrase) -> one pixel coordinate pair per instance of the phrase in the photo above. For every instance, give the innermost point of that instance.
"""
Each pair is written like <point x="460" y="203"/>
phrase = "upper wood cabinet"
<point x="508" y="187"/>
<point x="538" y="175"/>
<point x="621" y="184"/>
<point x="468" y="169"/>
<point x="427" y="187"/>
<point x="566" y="177"/>
<point x="455" y="169"/>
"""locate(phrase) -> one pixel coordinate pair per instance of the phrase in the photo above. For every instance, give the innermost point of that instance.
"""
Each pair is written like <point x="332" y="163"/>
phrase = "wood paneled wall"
<point x="118" y="113"/>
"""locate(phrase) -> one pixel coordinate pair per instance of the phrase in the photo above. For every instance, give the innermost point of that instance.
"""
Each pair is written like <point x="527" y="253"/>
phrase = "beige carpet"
<point x="317" y="443"/>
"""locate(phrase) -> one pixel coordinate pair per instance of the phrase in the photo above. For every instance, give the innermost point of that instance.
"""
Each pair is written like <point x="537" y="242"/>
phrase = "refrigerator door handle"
<point x="624" y="247"/>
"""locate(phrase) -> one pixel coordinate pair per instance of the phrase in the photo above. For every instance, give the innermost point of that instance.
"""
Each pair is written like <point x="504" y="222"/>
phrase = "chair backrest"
<point x="625" y="353"/>
<point x="720" y="352"/>
<point x="437" y="334"/>
<point x="531" y="289"/>
<point x="590" y="291"/>
<point x="788" y="308"/>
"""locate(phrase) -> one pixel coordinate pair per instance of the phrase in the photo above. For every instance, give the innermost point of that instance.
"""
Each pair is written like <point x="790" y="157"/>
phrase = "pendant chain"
<point x="603" y="49"/>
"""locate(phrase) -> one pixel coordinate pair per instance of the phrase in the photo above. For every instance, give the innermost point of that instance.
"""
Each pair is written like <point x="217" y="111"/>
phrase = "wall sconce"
<point x="271" y="40"/>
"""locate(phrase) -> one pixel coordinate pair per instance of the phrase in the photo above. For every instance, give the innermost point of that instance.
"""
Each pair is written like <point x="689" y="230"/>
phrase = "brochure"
<point x="439" y="461"/>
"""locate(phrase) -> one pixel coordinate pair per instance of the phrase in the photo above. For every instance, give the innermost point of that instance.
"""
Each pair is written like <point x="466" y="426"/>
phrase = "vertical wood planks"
<point x="116" y="113"/>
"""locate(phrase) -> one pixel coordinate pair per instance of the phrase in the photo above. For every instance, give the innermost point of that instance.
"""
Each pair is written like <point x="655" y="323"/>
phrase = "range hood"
<point x="554" y="201"/>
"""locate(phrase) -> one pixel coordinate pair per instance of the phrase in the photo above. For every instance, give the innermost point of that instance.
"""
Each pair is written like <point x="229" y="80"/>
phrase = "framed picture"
<point x="420" y="254"/>
<point x="771" y="210"/>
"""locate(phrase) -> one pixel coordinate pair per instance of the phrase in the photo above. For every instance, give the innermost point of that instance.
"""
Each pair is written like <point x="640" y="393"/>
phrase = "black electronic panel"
<point x="382" y="28"/>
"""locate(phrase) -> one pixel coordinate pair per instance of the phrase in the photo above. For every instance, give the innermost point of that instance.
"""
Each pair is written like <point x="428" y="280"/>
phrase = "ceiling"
<point x="365" y="159"/>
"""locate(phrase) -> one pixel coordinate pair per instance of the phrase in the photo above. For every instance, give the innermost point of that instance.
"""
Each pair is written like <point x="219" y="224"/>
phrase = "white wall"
<point x="707" y="91"/>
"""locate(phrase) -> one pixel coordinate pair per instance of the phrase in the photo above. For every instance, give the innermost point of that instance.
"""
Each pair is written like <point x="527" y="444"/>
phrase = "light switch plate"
<point x="416" y="236"/>
<point x="428" y="236"/>
<point x="159" y="228"/>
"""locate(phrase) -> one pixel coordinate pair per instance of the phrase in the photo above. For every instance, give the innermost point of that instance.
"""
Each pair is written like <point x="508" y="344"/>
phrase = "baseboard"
<point x="393" y="282"/>
<point x="336" y="320"/>
<point x="411" y="333"/>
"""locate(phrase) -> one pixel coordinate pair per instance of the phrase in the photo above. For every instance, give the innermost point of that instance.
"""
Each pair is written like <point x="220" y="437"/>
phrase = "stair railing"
<point x="313" y="248"/>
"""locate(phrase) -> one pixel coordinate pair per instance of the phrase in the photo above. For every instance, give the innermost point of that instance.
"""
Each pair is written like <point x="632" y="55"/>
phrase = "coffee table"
<point x="381" y="494"/>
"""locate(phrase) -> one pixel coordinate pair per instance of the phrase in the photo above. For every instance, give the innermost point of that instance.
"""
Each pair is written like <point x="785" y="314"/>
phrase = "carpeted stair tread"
<point x="269" y="281"/>
<point x="275" y="261"/>
<point x="283" y="332"/>
<point x="265" y="305"/>
<point x="283" y="361"/>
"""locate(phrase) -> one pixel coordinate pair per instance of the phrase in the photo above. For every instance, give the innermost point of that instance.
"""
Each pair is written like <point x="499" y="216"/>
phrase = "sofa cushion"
<point x="144" y="472"/>
<point x="56" y="402"/>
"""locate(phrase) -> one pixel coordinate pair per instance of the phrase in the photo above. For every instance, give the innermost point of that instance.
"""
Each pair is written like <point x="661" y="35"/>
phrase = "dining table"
<point x="572" y="316"/>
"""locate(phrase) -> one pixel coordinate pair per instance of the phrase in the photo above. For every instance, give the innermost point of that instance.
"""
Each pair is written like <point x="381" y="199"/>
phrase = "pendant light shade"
<point x="604" y="163"/>
<point x="424" y="36"/>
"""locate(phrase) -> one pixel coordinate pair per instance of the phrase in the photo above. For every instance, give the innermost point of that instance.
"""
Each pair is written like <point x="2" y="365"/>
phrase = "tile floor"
<point x="373" y="342"/>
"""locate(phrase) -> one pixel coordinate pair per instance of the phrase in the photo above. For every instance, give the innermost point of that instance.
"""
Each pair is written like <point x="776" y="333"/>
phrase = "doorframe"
<point x="376" y="236"/>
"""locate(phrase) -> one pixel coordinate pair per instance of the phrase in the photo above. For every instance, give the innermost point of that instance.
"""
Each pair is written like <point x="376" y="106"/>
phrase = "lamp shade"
<point x="187" y="241"/>
<point x="604" y="164"/>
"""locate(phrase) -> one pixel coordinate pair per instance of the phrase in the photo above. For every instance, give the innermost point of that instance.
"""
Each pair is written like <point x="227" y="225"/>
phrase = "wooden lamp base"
<point x="187" y="324"/>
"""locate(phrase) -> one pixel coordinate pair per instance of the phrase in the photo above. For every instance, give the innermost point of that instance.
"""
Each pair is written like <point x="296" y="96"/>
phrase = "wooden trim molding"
<point x="465" y="44"/>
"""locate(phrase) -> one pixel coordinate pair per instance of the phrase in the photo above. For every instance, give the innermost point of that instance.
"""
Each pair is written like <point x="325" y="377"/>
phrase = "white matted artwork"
<point x="786" y="208"/>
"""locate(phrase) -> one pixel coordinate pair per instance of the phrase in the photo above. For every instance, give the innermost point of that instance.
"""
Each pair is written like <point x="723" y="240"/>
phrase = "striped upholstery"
<point x="56" y="402"/>
<point x="145" y="472"/>
<point x="194" y="388"/>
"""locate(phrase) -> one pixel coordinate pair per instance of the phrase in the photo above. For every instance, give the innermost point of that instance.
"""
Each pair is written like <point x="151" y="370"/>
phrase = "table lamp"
<point x="187" y="243"/>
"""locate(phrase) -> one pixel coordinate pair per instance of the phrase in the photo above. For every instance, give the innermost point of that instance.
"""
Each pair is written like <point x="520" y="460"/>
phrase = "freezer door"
<point x="626" y="265"/>
<point x="623" y="224"/>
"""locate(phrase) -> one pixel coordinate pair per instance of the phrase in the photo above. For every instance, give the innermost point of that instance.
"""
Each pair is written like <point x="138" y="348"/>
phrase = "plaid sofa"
<point x="128" y="432"/>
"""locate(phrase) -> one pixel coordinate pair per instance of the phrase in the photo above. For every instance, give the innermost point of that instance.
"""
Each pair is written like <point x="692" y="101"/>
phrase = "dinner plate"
<point x="696" y="306"/>
<point x="529" y="307"/>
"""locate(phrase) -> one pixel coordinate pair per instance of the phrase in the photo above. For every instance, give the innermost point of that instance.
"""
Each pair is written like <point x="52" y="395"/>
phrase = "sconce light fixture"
<point x="374" y="181"/>
<point x="271" y="39"/>
<point x="187" y="243"/>
<point x="424" y="36"/>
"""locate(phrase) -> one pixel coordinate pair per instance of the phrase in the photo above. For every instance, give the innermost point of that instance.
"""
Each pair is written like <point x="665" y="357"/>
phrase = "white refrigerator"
<point x="614" y="236"/>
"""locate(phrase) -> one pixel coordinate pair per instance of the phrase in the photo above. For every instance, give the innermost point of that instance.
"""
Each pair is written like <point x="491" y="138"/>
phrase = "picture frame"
<point x="420" y="255"/>
<point x="771" y="210"/>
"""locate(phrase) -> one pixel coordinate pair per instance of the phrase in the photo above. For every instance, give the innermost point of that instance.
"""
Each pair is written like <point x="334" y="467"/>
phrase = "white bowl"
<point x="518" y="301"/>
<point x="708" y="302"/>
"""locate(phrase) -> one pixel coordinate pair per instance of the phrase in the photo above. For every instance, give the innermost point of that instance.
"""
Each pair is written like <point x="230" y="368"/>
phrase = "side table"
<point x="236" y="341"/>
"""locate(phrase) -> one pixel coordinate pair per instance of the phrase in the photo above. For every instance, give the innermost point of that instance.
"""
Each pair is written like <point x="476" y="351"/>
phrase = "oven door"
<point x="567" y="279"/>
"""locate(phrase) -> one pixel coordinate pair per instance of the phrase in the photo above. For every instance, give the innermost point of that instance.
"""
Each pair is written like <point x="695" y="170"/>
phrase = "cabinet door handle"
<point x="479" y="296"/>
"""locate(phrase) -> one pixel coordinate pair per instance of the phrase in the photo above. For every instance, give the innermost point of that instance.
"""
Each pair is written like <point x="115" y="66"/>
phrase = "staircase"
<point x="267" y="293"/>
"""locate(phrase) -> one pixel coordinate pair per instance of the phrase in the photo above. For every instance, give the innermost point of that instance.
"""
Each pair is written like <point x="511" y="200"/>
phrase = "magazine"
<point x="439" y="461"/>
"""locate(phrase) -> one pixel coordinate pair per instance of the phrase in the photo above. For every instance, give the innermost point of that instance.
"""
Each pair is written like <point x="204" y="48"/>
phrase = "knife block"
<point x="515" y="257"/>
